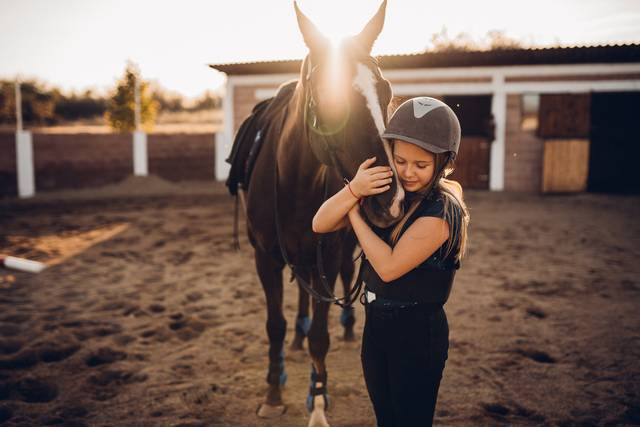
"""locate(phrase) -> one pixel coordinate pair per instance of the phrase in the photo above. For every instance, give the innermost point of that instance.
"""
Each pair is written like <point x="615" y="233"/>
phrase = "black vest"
<point x="430" y="281"/>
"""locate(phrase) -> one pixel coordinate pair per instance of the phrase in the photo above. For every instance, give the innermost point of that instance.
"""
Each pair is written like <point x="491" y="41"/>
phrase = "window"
<point x="529" y="104"/>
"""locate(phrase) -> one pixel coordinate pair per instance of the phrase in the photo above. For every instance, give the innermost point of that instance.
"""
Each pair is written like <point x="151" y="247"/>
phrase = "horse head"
<point x="345" y="108"/>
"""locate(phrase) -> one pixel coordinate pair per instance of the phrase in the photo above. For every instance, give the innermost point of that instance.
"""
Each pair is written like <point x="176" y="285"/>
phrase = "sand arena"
<point x="147" y="316"/>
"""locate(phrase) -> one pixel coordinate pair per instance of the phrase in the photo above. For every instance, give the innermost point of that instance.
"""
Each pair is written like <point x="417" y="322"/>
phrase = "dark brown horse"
<point x="318" y="131"/>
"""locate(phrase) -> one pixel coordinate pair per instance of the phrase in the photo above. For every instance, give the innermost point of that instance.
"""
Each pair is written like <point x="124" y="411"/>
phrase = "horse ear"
<point x="370" y="33"/>
<point x="313" y="38"/>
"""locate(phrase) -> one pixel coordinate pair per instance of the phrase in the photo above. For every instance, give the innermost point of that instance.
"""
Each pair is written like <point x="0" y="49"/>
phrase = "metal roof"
<point x="626" y="53"/>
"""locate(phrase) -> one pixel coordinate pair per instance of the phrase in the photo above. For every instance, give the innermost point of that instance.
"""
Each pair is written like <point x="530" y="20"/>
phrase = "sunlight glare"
<point x="339" y="19"/>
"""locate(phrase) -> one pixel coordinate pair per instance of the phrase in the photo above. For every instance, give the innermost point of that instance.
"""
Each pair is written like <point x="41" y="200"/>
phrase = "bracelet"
<point x="351" y="191"/>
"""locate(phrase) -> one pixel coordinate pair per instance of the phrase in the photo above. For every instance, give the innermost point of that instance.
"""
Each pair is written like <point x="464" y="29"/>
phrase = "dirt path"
<point x="148" y="317"/>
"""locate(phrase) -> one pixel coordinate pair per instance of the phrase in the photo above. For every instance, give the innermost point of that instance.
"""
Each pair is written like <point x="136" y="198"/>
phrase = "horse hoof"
<point x="271" y="411"/>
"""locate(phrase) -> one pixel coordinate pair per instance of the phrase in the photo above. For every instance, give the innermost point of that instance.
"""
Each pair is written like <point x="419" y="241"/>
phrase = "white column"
<point x="24" y="164"/>
<point x="140" y="153"/>
<point x="24" y="152"/>
<point x="225" y="139"/>
<point x="140" y="156"/>
<point x="499" y="111"/>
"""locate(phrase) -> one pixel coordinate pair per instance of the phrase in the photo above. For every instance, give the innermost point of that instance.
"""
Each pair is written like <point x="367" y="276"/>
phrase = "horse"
<point x="316" y="132"/>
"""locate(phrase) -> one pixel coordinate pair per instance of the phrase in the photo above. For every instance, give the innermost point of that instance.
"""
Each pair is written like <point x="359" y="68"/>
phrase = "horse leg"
<point x="303" y="322"/>
<point x="347" y="317"/>
<point x="317" y="400"/>
<point x="270" y="273"/>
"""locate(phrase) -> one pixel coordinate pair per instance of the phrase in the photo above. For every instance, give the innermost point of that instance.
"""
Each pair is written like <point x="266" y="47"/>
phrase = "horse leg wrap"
<point x="277" y="374"/>
<point x="303" y="324"/>
<point x="317" y="391"/>
<point x="347" y="318"/>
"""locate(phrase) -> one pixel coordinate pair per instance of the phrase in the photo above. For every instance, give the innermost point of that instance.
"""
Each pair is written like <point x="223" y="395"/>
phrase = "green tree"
<point x="121" y="104"/>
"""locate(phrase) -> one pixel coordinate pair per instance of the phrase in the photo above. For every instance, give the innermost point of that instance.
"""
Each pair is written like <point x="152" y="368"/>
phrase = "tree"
<point x="121" y="104"/>
<point x="494" y="40"/>
<point x="80" y="106"/>
<point x="38" y="103"/>
<point x="166" y="100"/>
<point x="208" y="101"/>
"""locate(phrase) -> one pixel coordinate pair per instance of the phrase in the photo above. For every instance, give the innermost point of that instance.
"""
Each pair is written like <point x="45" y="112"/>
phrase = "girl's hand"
<point x="371" y="181"/>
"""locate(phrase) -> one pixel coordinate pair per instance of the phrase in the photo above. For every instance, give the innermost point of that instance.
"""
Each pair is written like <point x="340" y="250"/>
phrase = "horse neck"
<point x="297" y="164"/>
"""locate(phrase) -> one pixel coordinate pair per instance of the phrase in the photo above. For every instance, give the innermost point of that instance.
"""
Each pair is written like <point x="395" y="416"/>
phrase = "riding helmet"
<point x="426" y="122"/>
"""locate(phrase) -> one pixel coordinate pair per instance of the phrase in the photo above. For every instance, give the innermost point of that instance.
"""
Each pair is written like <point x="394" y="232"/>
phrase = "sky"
<point x="85" y="44"/>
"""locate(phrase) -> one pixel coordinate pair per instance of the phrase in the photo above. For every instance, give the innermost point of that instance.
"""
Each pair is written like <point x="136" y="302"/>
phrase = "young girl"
<point x="408" y="267"/>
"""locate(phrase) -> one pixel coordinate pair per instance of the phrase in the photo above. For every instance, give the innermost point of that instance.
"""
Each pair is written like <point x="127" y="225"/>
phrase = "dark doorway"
<point x="615" y="143"/>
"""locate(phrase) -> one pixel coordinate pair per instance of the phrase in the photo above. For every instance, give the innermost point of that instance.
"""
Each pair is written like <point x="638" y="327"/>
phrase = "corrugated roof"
<point x="625" y="53"/>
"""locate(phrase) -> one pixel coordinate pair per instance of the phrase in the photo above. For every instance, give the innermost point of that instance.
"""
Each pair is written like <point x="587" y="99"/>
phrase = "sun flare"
<point x="338" y="20"/>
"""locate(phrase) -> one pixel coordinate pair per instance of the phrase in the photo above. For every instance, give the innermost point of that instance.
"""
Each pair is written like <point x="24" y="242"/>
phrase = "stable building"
<point x="563" y="119"/>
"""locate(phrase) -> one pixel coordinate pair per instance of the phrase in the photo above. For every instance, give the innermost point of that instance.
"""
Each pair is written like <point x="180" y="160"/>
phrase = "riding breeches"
<point x="404" y="351"/>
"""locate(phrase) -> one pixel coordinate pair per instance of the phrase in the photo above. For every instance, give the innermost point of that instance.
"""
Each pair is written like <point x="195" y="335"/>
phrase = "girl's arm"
<point x="417" y="244"/>
<point x="332" y="215"/>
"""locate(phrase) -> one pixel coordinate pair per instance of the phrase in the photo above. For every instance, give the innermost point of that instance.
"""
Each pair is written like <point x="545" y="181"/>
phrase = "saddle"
<point x="250" y="137"/>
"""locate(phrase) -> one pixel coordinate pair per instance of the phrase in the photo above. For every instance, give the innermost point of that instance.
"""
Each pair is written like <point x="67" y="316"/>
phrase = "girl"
<point x="408" y="267"/>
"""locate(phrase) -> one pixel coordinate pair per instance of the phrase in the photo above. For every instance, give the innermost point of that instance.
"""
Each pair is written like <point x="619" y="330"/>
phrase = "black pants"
<point x="404" y="351"/>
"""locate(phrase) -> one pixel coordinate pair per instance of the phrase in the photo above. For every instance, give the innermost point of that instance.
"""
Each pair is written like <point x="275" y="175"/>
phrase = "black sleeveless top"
<point x="430" y="281"/>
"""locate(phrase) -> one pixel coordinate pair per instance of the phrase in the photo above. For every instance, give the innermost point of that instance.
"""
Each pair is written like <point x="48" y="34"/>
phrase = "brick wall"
<point x="80" y="160"/>
<point x="244" y="101"/>
<point x="523" y="152"/>
<point x="182" y="156"/>
<point x="89" y="160"/>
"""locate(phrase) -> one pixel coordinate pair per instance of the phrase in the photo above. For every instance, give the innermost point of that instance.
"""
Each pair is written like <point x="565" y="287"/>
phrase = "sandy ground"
<point x="146" y="315"/>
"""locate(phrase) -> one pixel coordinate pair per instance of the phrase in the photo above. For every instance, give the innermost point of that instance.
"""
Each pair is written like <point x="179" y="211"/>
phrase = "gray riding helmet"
<point x="426" y="122"/>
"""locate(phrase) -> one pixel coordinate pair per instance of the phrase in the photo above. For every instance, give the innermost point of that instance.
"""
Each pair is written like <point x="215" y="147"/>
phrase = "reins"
<point x="346" y="300"/>
<point x="353" y="293"/>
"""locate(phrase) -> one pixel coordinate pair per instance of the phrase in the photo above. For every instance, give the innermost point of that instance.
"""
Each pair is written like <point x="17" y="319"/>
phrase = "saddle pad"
<point x="250" y="135"/>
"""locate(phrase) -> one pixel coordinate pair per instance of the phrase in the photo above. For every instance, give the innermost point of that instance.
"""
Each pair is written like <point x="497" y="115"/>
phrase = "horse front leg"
<point x="303" y="322"/>
<point x="317" y="399"/>
<point x="270" y="273"/>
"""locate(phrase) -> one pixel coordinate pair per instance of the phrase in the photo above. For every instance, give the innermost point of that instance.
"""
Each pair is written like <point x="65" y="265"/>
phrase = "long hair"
<point x="451" y="193"/>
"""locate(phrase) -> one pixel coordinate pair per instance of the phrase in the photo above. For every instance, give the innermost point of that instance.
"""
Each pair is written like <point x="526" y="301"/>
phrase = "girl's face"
<point x="415" y="166"/>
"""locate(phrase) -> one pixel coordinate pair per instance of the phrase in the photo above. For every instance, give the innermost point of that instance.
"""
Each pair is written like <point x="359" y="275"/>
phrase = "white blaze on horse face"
<point x="365" y="83"/>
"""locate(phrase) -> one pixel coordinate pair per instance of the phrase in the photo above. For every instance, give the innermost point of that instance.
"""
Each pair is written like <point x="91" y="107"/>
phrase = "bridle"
<point x="325" y="141"/>
<point x="320" y="138"/>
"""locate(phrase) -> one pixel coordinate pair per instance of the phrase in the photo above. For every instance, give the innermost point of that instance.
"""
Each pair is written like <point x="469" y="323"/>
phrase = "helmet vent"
<point x="422" y="107"/>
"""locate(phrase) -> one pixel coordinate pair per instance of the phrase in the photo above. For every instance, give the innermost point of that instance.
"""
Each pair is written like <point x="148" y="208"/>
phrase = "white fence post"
<point x="140" y="157"/>
<point x="24" y="152"/>
<point x="24" y="164"/>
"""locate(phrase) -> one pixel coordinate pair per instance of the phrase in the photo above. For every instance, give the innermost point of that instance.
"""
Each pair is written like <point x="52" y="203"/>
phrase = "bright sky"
<point x="80" y="44"/>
